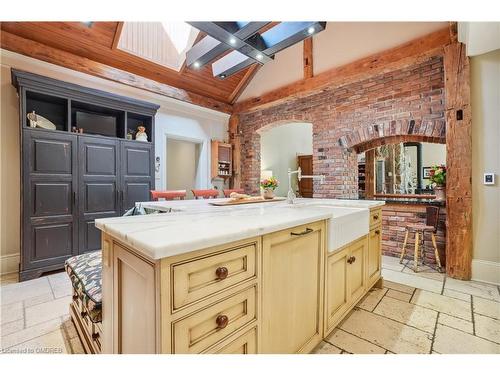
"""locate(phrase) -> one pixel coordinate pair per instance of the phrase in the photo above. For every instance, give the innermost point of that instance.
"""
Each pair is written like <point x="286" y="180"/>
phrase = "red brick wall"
<point x="400" y="102"/>
<point x="394" y="219"/>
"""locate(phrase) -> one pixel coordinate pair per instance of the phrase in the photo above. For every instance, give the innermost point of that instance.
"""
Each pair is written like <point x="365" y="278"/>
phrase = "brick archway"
<point x="376" y="142"/>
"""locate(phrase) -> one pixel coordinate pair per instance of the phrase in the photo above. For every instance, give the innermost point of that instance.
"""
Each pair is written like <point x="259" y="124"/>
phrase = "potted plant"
<point x="268" y="185"/>
<point x="437" y="176"/>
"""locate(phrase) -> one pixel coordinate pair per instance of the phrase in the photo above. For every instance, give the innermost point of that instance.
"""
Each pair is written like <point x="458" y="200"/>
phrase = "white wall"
<point x="279" y="148"/>
<point x="339" y="44"/>
<point x="485" y="92"/>
<point x="433" y="154"/>
<point x="174" y="119"/>
<point x="182" y="165"/>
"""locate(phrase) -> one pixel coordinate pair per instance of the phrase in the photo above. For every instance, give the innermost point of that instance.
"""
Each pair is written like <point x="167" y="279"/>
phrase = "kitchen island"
<point x="257" y="278"/>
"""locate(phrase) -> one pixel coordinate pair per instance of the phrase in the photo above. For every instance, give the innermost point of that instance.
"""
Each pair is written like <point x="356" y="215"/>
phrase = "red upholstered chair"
<point x="168" y="194"/>
<point x="227" y="192"/>
<point x="205" y="194"/>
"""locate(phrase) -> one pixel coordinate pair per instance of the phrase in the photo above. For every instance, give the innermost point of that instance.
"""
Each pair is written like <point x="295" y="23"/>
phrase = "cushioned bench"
<point x="85" y="272"/>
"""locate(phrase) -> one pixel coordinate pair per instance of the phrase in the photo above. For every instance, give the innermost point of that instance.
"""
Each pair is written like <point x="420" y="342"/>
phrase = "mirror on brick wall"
<point x="403" y="168"/>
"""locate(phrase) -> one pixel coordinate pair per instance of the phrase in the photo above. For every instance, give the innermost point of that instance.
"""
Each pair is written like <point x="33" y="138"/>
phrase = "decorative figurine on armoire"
<point x="141" y="134"/>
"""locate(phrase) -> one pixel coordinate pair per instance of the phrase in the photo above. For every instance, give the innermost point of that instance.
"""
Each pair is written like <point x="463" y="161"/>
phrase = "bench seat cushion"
<point x="85" y="272"/>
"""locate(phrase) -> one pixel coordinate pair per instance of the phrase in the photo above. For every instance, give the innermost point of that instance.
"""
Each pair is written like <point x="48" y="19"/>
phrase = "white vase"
<point x="267" y="193"/>
<point x="440" y="192"/>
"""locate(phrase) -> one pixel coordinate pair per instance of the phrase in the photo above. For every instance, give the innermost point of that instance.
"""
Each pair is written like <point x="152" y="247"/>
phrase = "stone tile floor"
<point x="420" y="313"/>
<point x="413" y="313"/>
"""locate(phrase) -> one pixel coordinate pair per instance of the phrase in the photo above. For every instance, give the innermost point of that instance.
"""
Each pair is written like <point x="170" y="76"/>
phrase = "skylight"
<point x="164" y="43"/>
<point x="178" y="32"/>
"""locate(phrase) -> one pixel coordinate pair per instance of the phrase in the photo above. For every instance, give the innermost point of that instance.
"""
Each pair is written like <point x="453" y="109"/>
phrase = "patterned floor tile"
<point x="371" y="299"/>
<point x="487" y="328"/>
<point x="413" y="280"/>
<point x="486" y="307"/>
<point x="457" y="323"/>
<point x="474" y="288"/>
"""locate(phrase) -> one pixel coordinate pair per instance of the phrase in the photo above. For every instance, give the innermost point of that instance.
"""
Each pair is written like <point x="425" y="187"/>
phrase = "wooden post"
<point x="458" y="161"/>
<point x="369" y="173"/>
<point x="234" y="139"/>
<point x="308" y="58"/>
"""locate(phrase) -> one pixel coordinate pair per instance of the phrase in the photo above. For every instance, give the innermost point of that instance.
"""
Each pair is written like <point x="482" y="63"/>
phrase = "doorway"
<point x="182" y="166"/>
<point x="283" y="147"/>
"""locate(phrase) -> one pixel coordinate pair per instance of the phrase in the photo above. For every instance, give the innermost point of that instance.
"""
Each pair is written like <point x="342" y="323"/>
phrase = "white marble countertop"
<point x="195" y="224"/>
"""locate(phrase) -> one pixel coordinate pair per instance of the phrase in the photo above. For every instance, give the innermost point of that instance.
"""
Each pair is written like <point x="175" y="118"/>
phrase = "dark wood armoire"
<point x="69" y="178"/>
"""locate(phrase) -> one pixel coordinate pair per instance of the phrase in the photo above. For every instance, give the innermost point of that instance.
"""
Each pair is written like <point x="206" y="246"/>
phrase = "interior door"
<point x="306" y="184"/>
<point x="137" y="173"/>
<point x="99" y="187"/>
<point x="49" y="211"/>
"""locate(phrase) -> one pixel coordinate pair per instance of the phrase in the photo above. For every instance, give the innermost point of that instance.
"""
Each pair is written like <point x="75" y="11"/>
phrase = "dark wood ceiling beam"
<point x="56" y="56"/>
<point x="395" y="58"/>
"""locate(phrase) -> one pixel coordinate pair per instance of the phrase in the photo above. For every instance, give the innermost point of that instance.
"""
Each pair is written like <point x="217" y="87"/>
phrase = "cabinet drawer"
<point x="203" y="277"/>
<point x="375" y="217"/>
<point x="244" y="344"/>
<point x="199" y="331"/>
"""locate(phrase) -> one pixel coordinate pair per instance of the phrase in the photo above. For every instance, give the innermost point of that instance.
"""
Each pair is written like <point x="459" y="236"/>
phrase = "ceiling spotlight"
<point x="232" y="41"/>
<point x="311" y="30"/>
<point x="196" y="64"/>
<point x="259" y="56"/>
<point x="222" y="76"/>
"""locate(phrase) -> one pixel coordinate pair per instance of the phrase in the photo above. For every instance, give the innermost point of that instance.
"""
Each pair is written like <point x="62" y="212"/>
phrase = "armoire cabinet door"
<point x="99" y="187"/>
<point x="49" y="205"/>
<point x="137" y="174"/>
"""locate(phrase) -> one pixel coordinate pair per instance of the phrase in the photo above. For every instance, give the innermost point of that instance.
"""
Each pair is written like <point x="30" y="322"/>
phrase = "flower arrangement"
<point x="269" y="183"/>
<point x="438" y="175"/>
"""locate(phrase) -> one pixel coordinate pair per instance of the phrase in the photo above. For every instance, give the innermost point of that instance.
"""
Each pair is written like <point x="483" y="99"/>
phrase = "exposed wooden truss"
<point x="96" y="44"/>
<point x="394" y="58"/>
<point x="249" y="44"/>
<point x="55" y="56"/>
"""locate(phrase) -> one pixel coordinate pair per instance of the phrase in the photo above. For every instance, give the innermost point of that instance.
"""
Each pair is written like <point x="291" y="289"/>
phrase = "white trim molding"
<point x="9" y="263"/>
<point x="486" y="271"/>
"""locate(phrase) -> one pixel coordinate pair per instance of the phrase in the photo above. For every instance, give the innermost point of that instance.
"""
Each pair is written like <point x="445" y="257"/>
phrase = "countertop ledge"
<point x="195" y="225"/>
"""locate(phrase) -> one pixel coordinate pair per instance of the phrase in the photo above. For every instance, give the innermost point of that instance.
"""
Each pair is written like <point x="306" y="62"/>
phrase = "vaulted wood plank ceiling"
<point x="98" y="43"/>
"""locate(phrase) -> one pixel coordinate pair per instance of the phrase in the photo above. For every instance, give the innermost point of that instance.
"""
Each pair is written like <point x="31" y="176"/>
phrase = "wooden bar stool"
<point x="430" y="225"/>
<point x="205" y="194"/>
<point x="168" y="194"/>
<point x="227" y="192"/>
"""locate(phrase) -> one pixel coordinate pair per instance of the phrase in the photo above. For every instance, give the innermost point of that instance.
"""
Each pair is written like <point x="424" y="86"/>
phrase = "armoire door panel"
<point x="52" y="241"/>
<point x="51" y="198"/>
<point x="100" y="159"/>
<point x="135" y="192"/>
<point x="137" y="162"/>
<point x="99" y="172"/>
<point x="100" y="197"/>
<point x="51" y="156"/>
<point x="137" y="159"/>
<point x="91" y="236"/>
<point x="49" y="209"/>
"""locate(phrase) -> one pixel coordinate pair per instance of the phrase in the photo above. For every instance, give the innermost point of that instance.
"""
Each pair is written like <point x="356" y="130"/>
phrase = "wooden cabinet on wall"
<point x="70" y="179"/>
<point x="221" y="159"/>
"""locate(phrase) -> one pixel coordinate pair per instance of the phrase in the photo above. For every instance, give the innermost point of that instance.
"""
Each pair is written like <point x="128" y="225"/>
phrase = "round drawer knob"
<point x="377" y="232"/>
<point x="353" y="259"/>
<point x="375" y="217"/>
<point x="221" y="273"/>
<point x="222" y="321"/>
<point x="95" y="336"/>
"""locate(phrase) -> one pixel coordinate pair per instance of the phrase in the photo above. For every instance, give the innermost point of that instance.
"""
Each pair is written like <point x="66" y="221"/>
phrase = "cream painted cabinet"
<point x="336" y="292"/>
<point x="292" y="287"/>
<point x="345" y="280"/>
<point x="374" y="256"/>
